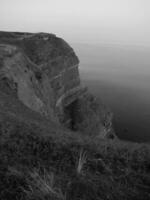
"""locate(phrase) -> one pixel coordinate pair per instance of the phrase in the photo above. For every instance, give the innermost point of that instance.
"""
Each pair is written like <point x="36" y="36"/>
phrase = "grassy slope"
<point x="63" y="165"/>
<point x="40" y="160"/>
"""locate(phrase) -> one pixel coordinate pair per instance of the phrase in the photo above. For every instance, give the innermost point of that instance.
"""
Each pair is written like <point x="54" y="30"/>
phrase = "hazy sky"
<point x="90" y="21"/>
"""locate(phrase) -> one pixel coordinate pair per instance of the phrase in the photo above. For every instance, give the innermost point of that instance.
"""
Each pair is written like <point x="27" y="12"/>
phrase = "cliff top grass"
<point x="76" y="167"/>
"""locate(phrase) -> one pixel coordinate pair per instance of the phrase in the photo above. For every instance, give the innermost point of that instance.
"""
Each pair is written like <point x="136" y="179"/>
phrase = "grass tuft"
<point x="82" y="161"/>
<point x="41" y="186"/>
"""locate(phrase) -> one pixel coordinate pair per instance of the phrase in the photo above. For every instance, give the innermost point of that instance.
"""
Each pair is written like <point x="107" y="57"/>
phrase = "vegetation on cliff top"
<point x="59" y="167"/>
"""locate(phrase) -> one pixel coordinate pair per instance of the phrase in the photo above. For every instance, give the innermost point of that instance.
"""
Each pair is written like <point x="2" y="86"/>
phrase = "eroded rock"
<point x="41" y="70"/>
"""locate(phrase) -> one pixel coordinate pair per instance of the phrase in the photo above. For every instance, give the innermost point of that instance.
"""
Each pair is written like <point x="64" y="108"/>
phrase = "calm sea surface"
<point x="120" y="76"/>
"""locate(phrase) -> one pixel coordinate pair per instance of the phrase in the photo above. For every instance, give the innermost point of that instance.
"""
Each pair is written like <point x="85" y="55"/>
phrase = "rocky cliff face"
<point x="41" y="70"/>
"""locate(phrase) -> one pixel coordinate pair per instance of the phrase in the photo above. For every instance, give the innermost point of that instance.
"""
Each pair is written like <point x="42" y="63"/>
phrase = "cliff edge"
<point x="41" y="71"/>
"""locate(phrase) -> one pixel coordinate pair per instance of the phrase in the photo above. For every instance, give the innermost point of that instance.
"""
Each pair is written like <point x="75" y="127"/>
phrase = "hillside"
<point x="67" y="166"/>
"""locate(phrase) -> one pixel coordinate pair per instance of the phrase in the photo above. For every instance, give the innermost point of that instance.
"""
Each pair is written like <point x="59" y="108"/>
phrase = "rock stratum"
<point x="40" y="70"/>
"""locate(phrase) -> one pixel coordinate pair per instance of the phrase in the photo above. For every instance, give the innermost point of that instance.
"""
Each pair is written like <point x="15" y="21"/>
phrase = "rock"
<point x="41" y="70"/>
<point x="44" y="69"/>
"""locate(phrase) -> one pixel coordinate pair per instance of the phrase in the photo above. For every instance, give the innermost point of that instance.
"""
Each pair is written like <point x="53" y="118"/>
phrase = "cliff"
<point x="41" y="159"/>
<point x="41" y="71"/>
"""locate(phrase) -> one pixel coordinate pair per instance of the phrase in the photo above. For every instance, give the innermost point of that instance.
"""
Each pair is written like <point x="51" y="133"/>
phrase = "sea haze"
<point x="120" y="76"/>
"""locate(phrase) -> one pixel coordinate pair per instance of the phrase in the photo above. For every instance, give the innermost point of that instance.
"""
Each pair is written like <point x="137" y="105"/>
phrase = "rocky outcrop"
<point x="41" y="70"/>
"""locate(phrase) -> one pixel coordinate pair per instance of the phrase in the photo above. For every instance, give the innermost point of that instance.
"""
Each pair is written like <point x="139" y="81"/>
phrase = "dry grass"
<point x="82" y="160"/>
<point x="42" y="185"/>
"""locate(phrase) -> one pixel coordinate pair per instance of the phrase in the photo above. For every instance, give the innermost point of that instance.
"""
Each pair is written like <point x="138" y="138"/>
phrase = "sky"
<point x="82" y="21"/>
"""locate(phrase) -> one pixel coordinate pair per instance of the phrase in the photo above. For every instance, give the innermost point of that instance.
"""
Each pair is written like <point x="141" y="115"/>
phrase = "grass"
<point x="41" y="186"/>
<point x="82" y="161"/>
<point x="39" y="168"/>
